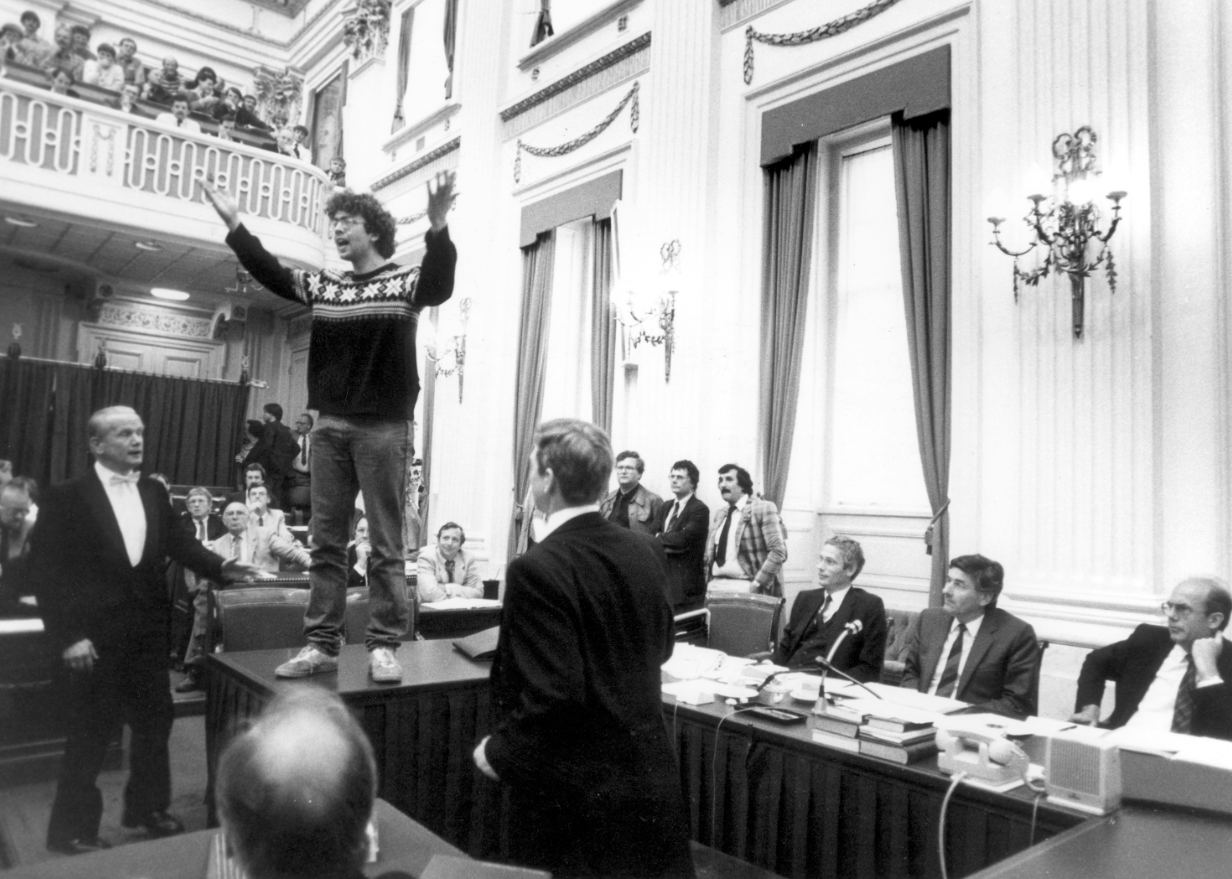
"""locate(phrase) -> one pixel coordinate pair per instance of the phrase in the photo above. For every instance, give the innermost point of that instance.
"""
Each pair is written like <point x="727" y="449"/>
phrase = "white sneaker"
<point x="384" y="666"/>
<point x="310" y="661"/>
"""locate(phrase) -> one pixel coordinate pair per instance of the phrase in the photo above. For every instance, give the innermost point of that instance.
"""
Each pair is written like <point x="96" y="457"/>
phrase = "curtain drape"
<point x="404" y="66"/>
<point x="543" y="23"/>
<point x="451" y="40"/>
<point x="922" y="183"/>
<point x="787" y="242"/>
<point x="602" y="329"/>
<point x="537" y="263"/>
<point x="429" y="407"/>
<point x="192" y="428"/>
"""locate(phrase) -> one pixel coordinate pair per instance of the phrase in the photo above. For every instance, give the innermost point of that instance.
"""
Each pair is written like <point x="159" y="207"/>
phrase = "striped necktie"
<point x="1182" y="713"/>
<point x="449" y="571"/>
<point x="949" y="677"/>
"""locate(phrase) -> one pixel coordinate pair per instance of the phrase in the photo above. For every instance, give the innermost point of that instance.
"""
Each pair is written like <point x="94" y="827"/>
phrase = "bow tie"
<point x="130" y="479"/>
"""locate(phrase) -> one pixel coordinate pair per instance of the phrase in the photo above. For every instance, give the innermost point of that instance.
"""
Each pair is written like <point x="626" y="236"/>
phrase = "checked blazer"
<point x="761" y="542"/>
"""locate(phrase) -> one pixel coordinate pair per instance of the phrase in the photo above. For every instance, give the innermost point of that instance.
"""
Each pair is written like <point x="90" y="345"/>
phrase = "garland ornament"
<point x="581" y="140"/>
<point x="831" y="29"/>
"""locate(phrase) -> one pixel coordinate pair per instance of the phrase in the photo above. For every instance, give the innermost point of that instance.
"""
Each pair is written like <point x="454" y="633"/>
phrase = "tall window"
<point x="566" y="389"/>
<point x="875" y="460"/>
<point x="427" y="69"/>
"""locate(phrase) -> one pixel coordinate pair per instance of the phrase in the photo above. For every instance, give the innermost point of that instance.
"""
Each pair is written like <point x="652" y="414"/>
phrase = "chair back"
<point x="741" y="623"/>
<point x="257" y="618"/>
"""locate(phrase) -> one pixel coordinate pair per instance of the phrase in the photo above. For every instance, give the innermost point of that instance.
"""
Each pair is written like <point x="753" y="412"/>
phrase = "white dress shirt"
<point x="126" y="504"/>
<point x="677" y="508"/>
<point x="731" y="569"/>
<point x="828" y="608"/>
<point x="1157" y="706"/>
<point x="968" y="639"/>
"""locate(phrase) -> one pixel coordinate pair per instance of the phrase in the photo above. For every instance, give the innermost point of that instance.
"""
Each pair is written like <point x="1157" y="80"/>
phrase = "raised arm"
<point x="259" y="262"/>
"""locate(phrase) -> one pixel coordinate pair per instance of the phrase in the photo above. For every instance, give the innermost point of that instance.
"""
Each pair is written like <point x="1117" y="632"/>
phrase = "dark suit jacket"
<point x="85" y="584"/>
<point x="685" y="545"/>
<point x="214" y="528"/>
<point x="860" y="655"/>
<point x="1002" y="671"/>
<point x="1133" y="663"/>
<point x="580" y="737"/>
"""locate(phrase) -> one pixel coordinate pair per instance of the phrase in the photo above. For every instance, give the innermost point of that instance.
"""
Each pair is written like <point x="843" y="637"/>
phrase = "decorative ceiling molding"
<point x="733" y="13"/>
<point x="411" y="167"/>
<point x="155" y="321"/>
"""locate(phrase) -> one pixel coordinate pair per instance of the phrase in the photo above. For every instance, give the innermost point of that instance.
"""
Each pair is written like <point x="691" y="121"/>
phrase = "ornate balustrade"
<point x="90" y="142"/>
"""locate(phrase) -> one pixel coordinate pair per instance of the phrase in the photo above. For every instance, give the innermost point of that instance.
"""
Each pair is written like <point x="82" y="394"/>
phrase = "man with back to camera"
<point x="747" y="543"/>
<point x="1176" y="678"/>
<point x="96" y="562"/>
<point x="363" y="382"/>
<point x="275" y="450"/>
<point x="818" y="617"/>
<point x="579" y="738"/>
<point x="632" y="505"/>
<point x="972" y="650"/>
<point x="682" y="529"/>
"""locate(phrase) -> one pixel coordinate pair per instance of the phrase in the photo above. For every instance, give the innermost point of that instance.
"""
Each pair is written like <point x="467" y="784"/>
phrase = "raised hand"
<point x="223" y="203"/>
<point x="440" y="200"/>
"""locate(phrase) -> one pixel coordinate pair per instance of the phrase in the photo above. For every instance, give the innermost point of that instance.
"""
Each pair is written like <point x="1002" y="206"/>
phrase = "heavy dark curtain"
<point x="537" y="263"/>
<point x="922" y="183"/>
<point x="543" y="24"/>
<point x="787" y="243"/>
<point x="192" y="428"/>
<point x="404" y="66"/>
<point x="603" y="329"/>
<point x="451" y="40"/>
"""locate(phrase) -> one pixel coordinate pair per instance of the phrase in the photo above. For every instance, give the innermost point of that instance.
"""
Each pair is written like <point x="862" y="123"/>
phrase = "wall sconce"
<point x="453" y="358"/>
<point x="649" y="316"/>
<point x="1069" y="228"/>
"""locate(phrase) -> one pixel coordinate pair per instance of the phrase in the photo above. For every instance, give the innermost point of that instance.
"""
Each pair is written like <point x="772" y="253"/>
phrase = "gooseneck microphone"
<point x="827" y="667"/>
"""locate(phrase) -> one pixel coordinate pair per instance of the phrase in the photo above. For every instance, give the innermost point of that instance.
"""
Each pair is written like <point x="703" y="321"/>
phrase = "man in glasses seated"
<point x="1168" y="678"/>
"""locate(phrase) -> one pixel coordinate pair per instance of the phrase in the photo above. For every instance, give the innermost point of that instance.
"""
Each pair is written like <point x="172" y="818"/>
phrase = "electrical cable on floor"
<point x="945" y="804"/>
<point x="714" y="767"/>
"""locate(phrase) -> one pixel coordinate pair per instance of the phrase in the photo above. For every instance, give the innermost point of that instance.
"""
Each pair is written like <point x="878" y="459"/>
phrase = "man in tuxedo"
<point x="97" y="556"/>
<point x="579" y="739"/>
<point x="819" y="616"/>
<point x="681" y="528"/>
<point x="747" y="544"/>
<point x="1177" y="678"/>
<point x="972" y="650"/>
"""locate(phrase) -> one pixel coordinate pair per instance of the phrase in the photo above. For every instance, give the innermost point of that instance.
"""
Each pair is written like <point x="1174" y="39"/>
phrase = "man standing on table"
<point x="363" y="381"/>
<point x="580" y="740"/>
<point x="96" y="561"/>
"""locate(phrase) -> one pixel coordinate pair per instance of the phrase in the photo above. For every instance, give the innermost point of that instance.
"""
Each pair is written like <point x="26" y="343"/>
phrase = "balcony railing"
<point x="69" y="136"/>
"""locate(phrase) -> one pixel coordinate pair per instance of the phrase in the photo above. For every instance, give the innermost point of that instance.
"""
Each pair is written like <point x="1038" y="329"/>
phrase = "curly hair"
<point x="377" y="220"/>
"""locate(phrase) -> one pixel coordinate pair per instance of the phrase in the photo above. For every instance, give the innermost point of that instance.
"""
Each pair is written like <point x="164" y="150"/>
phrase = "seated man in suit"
<point x="446" y="570"/>
<point x="972" y="650"/>
<point x="747" y="543"/>
<point x="192" y="594"/>
<point x="199" y="517"/>
<point x="15" y="526"/>
<point x="819" y="617"/>
<point x="1177" y="678"/>
<point x="682" y="530"/>
<point x="296" y="790"/>
<point x="268" y="535"/>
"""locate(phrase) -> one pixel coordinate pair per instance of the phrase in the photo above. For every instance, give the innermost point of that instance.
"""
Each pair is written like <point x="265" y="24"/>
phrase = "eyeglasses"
<point x="344" y="222"/>
<point x="1180" y="611"/>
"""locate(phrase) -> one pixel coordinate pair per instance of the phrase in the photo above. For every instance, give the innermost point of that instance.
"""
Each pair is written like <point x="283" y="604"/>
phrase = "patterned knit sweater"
<point x="361" y="358"/>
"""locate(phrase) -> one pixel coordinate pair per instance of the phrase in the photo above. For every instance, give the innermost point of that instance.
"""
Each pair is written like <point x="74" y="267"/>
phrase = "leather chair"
<point x="257" y="618"/>
<point x="743" y="624"/>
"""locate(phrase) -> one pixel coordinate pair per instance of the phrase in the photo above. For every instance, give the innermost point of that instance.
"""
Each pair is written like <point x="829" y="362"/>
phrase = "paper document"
<point x="21" y="624"/>
<point x="891" y="711"/>
<point x="1211" y="753"/>
<point x="461" y="603"/>
<point x="1150" y="741"/>
<point x="689" y="662"/>
<point x="916" y="699"/>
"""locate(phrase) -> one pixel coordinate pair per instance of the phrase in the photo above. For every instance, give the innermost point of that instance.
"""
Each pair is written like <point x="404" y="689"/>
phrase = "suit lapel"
<point x="812" y="607"/>
<point x="149" y="503"/>
<point x="983" y="641"/>
<point x="101" y="512"/>
<point x="932" y="646"/>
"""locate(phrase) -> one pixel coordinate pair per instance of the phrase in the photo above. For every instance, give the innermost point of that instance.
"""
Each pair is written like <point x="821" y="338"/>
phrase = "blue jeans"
<point x="352" y="454"/>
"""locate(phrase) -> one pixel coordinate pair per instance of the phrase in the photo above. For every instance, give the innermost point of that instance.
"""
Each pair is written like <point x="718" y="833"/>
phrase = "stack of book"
<point x="880" y="729"/>
<point x="835" y="725"/>
<point x="897" y="739"/>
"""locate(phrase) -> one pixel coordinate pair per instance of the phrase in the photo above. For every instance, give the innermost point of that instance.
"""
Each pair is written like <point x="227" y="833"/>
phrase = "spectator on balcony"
<point x="337" y="172"/>
<point x="204" y="91"/>
<point x="250" y="104"/>
<point x="178" y="117"/>
<point x="64" y="57"/>
<point x="286" y="143"/>
<point x="104" y="72"/>
<point x="134" y="70"/>
<point x="130" y="94"/>
<point x="226" y="127"/>
<point x="10" y="44"/>
<point x="163" y="86"/>
<point x="62" y="82"/>
<point x="81" y="43"/>
<point x="302" y="150"/>
<point x="35" y="48"/>
<point x="233" y="103"/>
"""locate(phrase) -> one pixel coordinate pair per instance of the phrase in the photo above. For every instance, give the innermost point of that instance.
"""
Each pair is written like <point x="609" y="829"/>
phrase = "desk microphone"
<point x="827" y="667"/>
<point x="852" y="628"/>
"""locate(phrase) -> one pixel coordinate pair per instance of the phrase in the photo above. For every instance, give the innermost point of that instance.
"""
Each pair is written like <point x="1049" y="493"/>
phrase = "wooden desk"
<point x="433" y="623"/>
<point x="778" y="800"/>
<point x="422" y="730"/>
<point x="405" y="845"/>
<point x="1140" y="841"/>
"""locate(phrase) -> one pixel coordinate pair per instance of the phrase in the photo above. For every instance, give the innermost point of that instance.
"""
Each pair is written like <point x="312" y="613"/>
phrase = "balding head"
<point x="295" y="791"/>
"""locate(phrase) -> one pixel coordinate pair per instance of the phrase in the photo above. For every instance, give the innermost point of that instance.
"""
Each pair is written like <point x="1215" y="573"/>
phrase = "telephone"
<point x="981" y="755"/>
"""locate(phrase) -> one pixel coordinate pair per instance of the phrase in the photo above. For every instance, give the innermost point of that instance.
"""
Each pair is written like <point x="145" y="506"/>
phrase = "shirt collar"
<point x="684" y="500"/>
<point x="560" y="517"/>
<point x="105" y="473"/>
<point x="973" y="626"/>
<point x="837" y="596"/>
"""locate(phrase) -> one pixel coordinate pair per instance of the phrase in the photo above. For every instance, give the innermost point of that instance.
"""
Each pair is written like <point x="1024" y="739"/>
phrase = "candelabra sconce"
<point x="1068" y="227"/>
<point x="100" y="359"/>
<point x="14" y="351"/>
<point x="650" y="317"/>
<point x="453" y="358"/>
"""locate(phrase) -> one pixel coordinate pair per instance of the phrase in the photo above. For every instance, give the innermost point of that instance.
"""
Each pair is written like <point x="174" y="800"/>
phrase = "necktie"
<point x="949" y="677"/>
<point x="671" y="520"/>
<point x="449" y="571"/>
<point x="1182" y="713"/>
<point x="235" y="546"/>
<point x="825" y="606"/>
<point x="303" y="450"/>
<point x="201" y="530"/>
<point x="721" y="555"/>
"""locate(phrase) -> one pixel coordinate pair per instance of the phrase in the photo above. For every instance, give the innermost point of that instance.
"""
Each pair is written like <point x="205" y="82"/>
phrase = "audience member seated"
<point x="819" y="617"/>
<point x="284" y="143"/>
<point x="64" y="58"/>
<point x="302" y="150"/>
<point x="81" y="42"/>
<point x="178" y="117"/>
<point x="134" y="70"/>
<point x="747" y="543"/>
<point x="15" y="530"/>
<point x="61" y="82"/>
<point x="295" y="791"/>
<point x="358" y="552"/>
<point x="337" y="172"/>
<point x="199" y="517"/>
<point x="250" y="104"/>
<point x="970" y="649"/>
<point x="233" y="102"/>
<point x="631" y="505"/>
<point x="255" y="474"/>
<point x="11" y="51"/>
<point x="203" y="91"/>
<point x="130" y="95"/>
<point x="446" y="570"/>
<point x="165" y="85"/>
<point x="32" y="489"/>
<point x="226" y="128"/>
<point x="192" y="592"/>
<point x="1177" y="678"/>
<point x="36" y="49"/>
<point x="272" y="535"/>
<point x="104" y="72"/>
